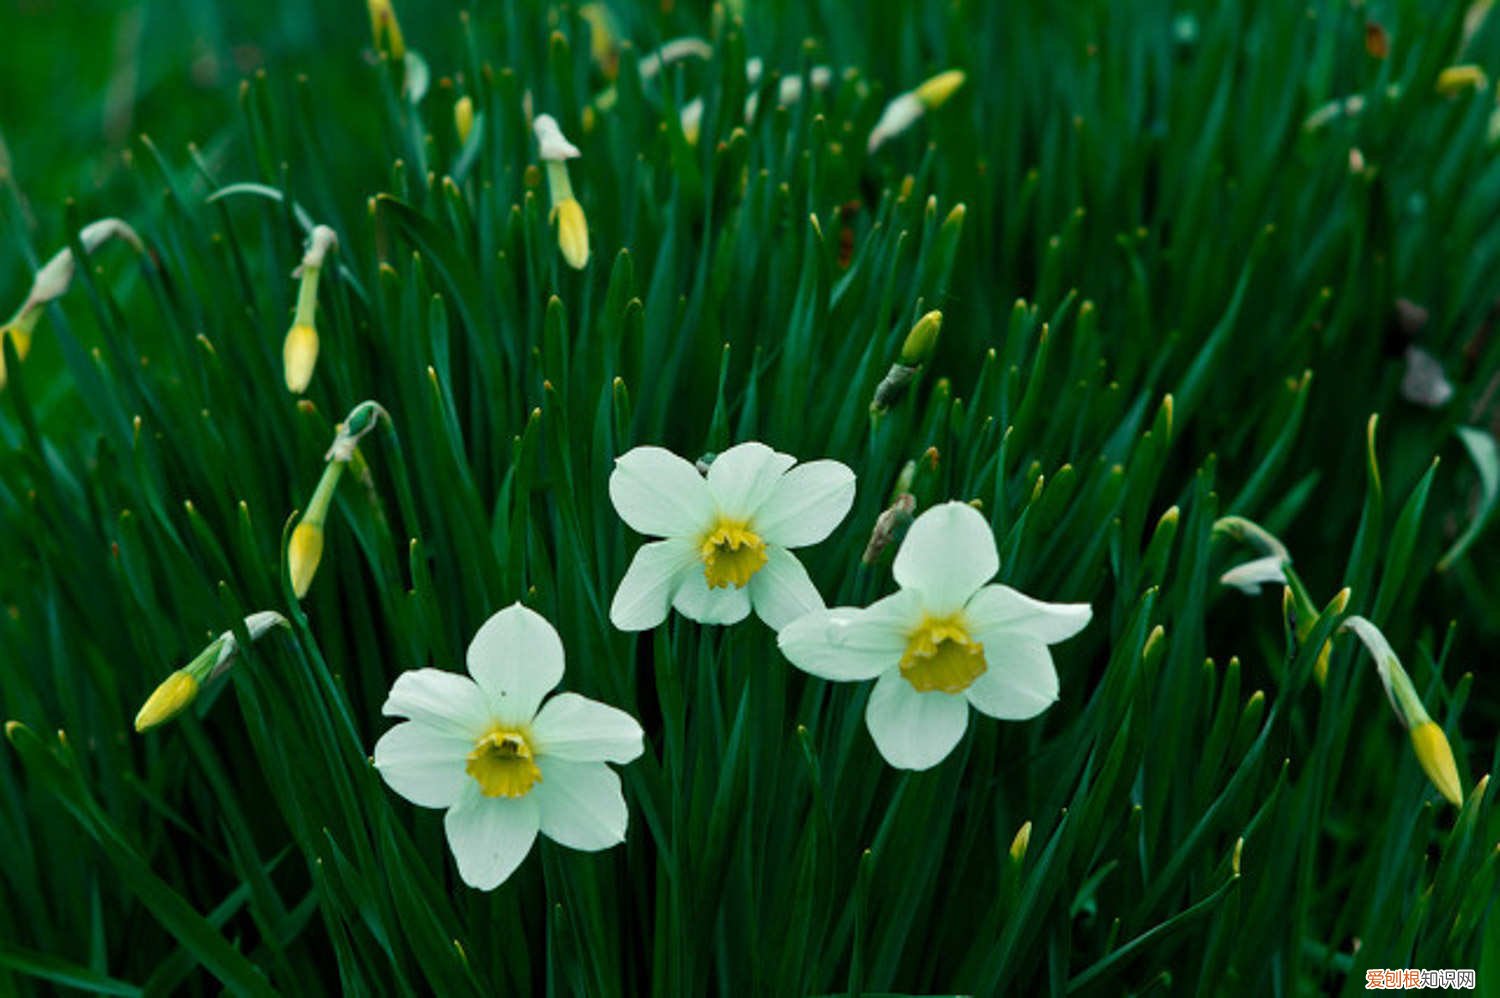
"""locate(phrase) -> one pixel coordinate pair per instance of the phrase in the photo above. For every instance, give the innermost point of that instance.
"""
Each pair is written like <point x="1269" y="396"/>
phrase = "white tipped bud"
<point x="550" y="139"/>
<point x="1249" y="577"/>
<point x="899" y="115"/>
<point x="53" y="279"/>
<point x="319" y="243"/>
<point x="675" y="50"/>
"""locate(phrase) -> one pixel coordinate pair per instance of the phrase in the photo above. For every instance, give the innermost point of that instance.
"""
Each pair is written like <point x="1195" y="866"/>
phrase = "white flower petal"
<point x="645" y="594"/>
<point x="806" y="504"/>
<point x="743" y="477"/>
<point x="948" y="553"/>
<point x="1249" y="577"/>
<point x="423" y="764"/>
<point x="659" y="494"/>
<point x="997" y="610"/>
<point x="517" y="658"/>
<point x="724" y="605"/>
<point x="582" y="805"/>
<point x="1019" y="680"/>
<point x="847" y="643"/>
<point x="446" y="701"/>
<point x="577" y="729"/>
<point x="914" y="730"/>
<point x="782" y="591"/>
<point x="490" y="836"/>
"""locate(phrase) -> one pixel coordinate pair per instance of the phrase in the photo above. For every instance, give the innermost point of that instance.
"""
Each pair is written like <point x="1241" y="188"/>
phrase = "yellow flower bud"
<point x="304" y="551"/>
<point x="1019" y="844"/>
<point x="934" y="93"/>
<point x="572" y="233"/>
<point x="386" y="30"/>
<point x="603" y="45"/>
<point x="463" y="117"/>
<point x="1436" y="757"/>
<point x="168" y="700"/>
<point x="299" y="354"/>
<point x="1457" y="79"/>
<point x="922" y="339"/>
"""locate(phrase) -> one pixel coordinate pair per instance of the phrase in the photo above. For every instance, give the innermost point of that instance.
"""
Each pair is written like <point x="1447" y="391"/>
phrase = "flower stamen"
<point x="941" y="656"/>
<point x="502" y="764"/>
<point x="731" y="553"/>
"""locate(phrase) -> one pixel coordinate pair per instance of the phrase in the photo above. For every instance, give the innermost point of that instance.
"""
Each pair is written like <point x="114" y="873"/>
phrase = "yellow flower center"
<point x="502" y="765"/>
<point x="731" y="552"/>
<point x="940" y="655"/>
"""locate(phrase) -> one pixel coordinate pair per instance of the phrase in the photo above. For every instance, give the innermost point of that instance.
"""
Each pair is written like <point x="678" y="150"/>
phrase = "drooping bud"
<point x="1268" y="569"/>
<point x="905" y="109"/>
<point x="299" y="351"/>
<point x="1428" y="739"/>
<point x="52" y="281"/>
<point x="305" y="546"/>
<point x="177" y="692"/>
<point x="567" y="213"/>
<point x="675" y="50"/>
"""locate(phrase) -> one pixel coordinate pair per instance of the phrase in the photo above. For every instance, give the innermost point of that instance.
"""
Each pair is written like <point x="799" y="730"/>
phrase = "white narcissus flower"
<point x="728" y="536"/>
<point x="946" y="640"/>
<point x="503" y="768"/>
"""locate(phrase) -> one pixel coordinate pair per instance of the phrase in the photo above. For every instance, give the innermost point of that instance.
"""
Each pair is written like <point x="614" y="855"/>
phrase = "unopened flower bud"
<point x="168" y="700"/>
<point x="904" y="110"/>
<point x="178" y="690"/>
<point x="922" y="340"/>
<point x="572" y="233"/>
<point x="1455" y="80"/>
<point x="53" y="279"/>
<point x="1020" y="843"/>
<point x="463" y="118"/>
<point x="934" y="93"/>
<point x="304" y="552"/>
<point x="916" y="350"/>
<point x="1435" y="756"/>
<point x="567" y="213"/>
<point x="299" y="351"/>
<point x="385" y="30"/>
<point x="892" y="519"/>
<point x="1428" y="740"/>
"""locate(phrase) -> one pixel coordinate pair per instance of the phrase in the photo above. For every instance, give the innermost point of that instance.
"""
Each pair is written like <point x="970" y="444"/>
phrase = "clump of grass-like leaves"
<point x="1167" y="250"/>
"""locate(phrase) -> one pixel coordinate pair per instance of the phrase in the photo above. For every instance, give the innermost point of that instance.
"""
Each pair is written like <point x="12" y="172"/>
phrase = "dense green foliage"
<point x="1143" y="216"/>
